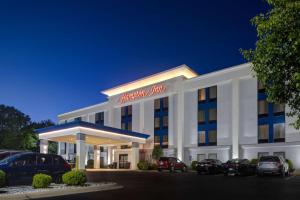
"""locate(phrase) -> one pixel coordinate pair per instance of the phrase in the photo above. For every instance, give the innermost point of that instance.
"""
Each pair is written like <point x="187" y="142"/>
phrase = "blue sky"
<point x="56" y="56"/>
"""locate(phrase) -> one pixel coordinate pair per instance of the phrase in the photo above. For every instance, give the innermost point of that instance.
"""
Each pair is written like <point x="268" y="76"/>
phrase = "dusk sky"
<point x="56" y="56"/>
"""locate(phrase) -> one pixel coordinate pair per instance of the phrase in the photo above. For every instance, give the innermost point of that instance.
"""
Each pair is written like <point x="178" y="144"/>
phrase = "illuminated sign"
<point x="148" y="92"/>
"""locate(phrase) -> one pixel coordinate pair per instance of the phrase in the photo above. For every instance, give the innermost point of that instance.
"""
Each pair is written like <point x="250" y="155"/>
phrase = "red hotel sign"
<point x="147" y="92"/>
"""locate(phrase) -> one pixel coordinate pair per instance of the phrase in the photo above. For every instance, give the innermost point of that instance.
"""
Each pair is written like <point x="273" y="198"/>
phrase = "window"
<point x="44" y="160"/>
<point x="212" y="115"/>
<point x="260" y="87"/>
<point x="201" y="138"/>
<point x="165" y="103"/>
<point x="157" y="105"/>
<point x="280" y="154"/>
<point x="165" y="121"/>
<point x="278" y="132"/>
<point x="213" y="93"/>
<point x="262" y="108"/>
<point x="123" y="126"/>
<point x="156" y="123"/>
<point x="78" y="119"/>
<point x="212" y="137"/>
<point x="129" y="126"/>
<point x="260" y="154"/>
<point x="156" y="140"/>
<point x="263" y="133"/>
<point x="278" y="109"/>
<point x="99" y="118"/>
<point x="129" y="110"/>
<point x="123" y="111"/>
<point x="165" y="141"/>
<point x="58" y="160"/>
<point x="201" y="95"/>
<point x="201" y="116"/>
<point x="200" y="157"/>
<point x="212" y="156"/>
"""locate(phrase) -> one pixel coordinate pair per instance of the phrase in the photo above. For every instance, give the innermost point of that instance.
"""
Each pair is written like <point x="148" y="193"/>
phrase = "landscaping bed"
<point x="28" y="192"/>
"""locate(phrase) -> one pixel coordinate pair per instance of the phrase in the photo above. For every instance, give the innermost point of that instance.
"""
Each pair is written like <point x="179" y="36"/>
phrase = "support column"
<point x="135" y="156"/>
<point x="180" y="124"/>
<point x="67" y="151"/>
<point x="235" y="118"/>
<point x="96" y="156"/>
<point x="58" y="148"/>
<point x="44" y="146"/>
<point x="80" y="151"/>
<point x="109" y="155"/>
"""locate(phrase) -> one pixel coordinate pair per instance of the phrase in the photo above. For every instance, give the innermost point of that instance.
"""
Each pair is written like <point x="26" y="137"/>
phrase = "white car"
<point x="272" y="165"/>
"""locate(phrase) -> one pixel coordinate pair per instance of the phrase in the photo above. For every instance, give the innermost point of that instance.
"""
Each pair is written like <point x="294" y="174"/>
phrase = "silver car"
<point x="272" y="165"/>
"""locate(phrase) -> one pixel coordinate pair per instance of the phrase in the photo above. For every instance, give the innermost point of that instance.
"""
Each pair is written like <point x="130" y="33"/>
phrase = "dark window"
<point x="213" y="93"/>
<point x="123" y="126"/>
<point x="165" y="141"/>
<point x="157" y="105"/>
<point x="165" y="103"/>
<point x="201" y="116"/>
<point x="129" y="110"/>
<point x="58" y="160"/>
<point x="156" y="140"/>
<point x="278" y="109"/>
<point x="99" y="118"/>
<point x="165" y="121"/>
<point x="263" y="108"/>
<point x="279" y="132"/>
<point x="263" y="133"/>
<point x="260" y="87"/>
<point x="212" y="137"/>
<point x="78" y="119"/>
<point x="129" y="128"/>
<point x="156" y="123"/>
<point x="212" y="113"/>
<point x="123" y="111"/>
<point x="201" y="138"/>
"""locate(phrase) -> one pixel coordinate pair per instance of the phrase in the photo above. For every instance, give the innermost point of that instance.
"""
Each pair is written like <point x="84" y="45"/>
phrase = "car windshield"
<point x="269" y="159"/>
<point x="207" y="161"/>
<point x="163" y="159"/>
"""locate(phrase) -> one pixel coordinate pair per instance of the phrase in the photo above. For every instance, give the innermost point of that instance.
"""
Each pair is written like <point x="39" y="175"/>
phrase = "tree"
<point x="18" y="132"/>
<point x="12" y="124"/>
<point x="276" y="57"/>
<point x="157" y="152"/>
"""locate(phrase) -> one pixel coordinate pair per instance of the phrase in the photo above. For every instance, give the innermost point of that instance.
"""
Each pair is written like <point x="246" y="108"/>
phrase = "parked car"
<point x="5" y="154"/>
<point x="171" y="164"/>
<point x="272" y="165"/>
<point x="210" y="166"/>
<point x="21" y="167"/>
<point x="238" y="167"/>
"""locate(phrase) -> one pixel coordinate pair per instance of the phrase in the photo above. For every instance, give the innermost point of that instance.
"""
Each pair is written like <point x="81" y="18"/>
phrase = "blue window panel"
<point x="207" y="126"/>
<point x="271" y="119"/>
<point x="127" y="118"/>
<point x="161" y="113"/>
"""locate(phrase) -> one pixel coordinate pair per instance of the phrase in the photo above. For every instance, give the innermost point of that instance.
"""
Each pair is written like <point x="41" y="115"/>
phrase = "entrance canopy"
<point x="94" y="134"/>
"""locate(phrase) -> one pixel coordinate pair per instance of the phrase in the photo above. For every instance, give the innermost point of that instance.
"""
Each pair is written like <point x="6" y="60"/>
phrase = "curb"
<point x="60" y="192"/>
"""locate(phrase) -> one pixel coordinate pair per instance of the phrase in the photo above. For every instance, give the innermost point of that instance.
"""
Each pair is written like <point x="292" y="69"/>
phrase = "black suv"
<point x="21" y="167"/>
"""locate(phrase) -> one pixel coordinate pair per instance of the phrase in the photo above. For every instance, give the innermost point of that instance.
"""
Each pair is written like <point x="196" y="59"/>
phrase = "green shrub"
<point x="291" y="165"/>
<point x="153" y="166"/>
<point x="143" y="165"/>
<point x="90" y="164"/>
<point x="193" y="164"/>
<point x="2" y="178"/>
<point x="41" y="181"/>
<point x="254" y="161"/>
<point x="76" y="177"/>
<point x="157" y="152"/>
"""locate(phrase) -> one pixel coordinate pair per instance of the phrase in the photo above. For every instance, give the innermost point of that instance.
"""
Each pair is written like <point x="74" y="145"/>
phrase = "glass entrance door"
<point x="123" y="159"/>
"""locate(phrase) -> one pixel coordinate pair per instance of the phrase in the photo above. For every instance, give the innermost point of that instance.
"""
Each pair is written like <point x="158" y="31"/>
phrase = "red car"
<point x="171" y="164"/>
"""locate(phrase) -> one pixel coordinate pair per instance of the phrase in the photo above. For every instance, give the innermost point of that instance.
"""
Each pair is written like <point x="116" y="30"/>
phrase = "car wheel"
<point x="184" y="169"/>
<point x="58" y="178"/>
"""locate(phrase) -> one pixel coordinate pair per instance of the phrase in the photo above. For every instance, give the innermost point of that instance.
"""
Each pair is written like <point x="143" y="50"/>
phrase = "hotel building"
<point x="222" y="115"/>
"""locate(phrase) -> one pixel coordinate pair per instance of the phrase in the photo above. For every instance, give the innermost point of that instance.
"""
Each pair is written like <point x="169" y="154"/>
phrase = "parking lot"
<point x="165" y="185"/>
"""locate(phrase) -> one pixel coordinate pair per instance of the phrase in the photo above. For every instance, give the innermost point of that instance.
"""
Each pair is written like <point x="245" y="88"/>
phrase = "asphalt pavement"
<point x="165" y="185"/>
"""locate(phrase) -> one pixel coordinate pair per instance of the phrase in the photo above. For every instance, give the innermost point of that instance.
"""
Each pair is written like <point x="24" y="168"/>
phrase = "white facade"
<point x="236" y="124"/>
